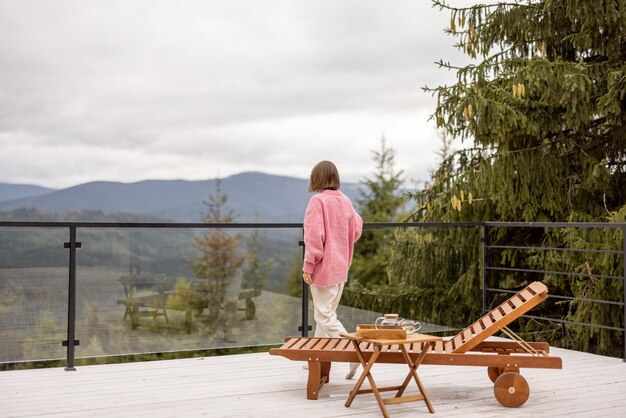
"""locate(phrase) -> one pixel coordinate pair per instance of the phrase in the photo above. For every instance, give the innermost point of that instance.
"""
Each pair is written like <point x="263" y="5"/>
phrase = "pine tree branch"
<point x="445" y="6"/>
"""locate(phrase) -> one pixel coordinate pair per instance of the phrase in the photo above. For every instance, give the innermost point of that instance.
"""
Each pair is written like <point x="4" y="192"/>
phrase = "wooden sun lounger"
<point x="503" y="359"/>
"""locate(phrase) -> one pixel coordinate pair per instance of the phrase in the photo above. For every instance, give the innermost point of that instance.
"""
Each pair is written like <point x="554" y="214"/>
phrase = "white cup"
<point x="410" y="326"/>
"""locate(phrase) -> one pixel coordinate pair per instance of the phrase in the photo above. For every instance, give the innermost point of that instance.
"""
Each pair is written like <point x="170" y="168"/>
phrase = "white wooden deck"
<point x="260" y="385"/>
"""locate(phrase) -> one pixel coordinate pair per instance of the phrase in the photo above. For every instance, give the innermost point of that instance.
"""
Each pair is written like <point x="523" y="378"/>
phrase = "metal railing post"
<point x="484" y="238"/>
<point x="624" y="287"/>
<point x="304" y="327"/>
<point x="71" y="341"/>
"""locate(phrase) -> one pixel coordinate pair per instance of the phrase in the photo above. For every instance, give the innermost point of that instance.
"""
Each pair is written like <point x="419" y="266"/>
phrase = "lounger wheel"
<point x="511" y="389"/>
<point x="250" y="309"/>
<point x="495" y="372"/>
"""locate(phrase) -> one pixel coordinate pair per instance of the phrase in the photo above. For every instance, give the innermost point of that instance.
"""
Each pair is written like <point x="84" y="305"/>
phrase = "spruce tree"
<point x="219" y="260"/>
<point x="380" y="201"/>
<point x="543" y="105"/>
<point x="219" y="251"/>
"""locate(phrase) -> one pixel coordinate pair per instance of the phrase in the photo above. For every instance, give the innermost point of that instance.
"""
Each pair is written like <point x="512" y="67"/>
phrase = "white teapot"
<point x="394" y="320"/>
<point x="388" y="320"/>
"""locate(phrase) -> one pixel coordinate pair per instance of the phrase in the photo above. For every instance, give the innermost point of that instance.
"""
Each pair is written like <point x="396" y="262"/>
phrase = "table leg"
<point x="374" y="389"/>
<point x="413" y="374"/>
<point x="361" y="378"/>
<point x="367" y="374"/>
<point x="366" y="369"/>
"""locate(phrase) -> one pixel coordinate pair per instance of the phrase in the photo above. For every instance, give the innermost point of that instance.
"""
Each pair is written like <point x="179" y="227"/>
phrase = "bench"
<point x="148" y="295"/>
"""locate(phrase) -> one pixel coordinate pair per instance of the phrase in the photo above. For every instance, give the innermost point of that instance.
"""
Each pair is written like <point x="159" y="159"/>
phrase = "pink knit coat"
<point x="331" y="227"/>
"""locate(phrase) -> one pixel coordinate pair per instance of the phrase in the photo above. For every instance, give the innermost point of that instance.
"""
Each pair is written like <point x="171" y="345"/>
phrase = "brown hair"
<point x="324" y="176"/>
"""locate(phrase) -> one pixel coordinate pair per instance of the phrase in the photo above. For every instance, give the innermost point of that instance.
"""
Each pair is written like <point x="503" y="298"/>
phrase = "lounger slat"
<point x="439" y="346"/>
<point x="342" y="344"/>
<point x="311" y="343"/>
<point x="300" y="343"/>
<point x="538" y="288"/>
<point x="332" y="343"/>
<point x="486" y="321"/>
<point x="468" y="334"/>
<point x="505" y="308"/>
<point x="321" y="343"/>
<point x="457" y="341"/>
<point x="525" y="294"/>
<point x="496" y="315"/>
<point x="415" y="348"/>
<point x="509" y="302"/>
<point x="365" y="346"/>
<point x="515" y="301"/>
<point x="290" y="342"/>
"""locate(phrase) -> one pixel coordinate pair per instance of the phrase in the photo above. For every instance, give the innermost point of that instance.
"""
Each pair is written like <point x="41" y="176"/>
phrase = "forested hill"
<point x="253" y="196"/>
<point x="18" y="191"/>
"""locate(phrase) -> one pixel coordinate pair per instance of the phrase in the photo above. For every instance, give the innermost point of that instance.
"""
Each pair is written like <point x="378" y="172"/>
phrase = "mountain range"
<point x="252" y="196"/>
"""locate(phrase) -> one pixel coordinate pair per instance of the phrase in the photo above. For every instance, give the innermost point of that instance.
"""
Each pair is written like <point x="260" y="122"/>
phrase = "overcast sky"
<point x="131" y="90"/>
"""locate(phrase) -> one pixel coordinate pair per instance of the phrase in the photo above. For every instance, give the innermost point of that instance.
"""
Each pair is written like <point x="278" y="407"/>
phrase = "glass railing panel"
<point x="151" y="290"/>
<point x="161" y="290"/>
<point x="33" y="294"/>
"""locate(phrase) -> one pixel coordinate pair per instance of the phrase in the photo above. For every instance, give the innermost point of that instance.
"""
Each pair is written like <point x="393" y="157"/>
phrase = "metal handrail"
<point x="556" y="273"/>
<point x="72" y="245"/>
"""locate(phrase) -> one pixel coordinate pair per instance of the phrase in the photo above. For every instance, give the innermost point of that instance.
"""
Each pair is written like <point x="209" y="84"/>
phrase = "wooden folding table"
<point x="381" y="345"/>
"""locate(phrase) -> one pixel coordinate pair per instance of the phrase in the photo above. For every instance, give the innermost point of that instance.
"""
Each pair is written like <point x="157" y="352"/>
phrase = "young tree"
<point x="380" y="201"/>
<point x="219" y="261"/>
<point x="544" y="104"/>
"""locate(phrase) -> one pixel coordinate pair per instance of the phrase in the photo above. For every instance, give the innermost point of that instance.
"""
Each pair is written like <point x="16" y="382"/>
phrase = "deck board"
<point x="261" y="385"/>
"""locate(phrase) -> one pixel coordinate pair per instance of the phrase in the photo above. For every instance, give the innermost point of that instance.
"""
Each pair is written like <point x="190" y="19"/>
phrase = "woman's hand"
<point x="307" y="278"/>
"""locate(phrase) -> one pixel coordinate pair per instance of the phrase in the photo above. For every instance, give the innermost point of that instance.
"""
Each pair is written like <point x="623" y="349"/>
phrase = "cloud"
<point x="130" y="90"/>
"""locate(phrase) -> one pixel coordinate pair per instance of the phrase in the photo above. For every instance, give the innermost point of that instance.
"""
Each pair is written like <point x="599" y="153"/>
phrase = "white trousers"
<point x="325" y="303"/>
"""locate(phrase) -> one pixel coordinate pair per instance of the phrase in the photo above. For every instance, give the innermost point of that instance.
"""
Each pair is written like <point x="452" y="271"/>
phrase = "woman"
<point x="331" y="227"/>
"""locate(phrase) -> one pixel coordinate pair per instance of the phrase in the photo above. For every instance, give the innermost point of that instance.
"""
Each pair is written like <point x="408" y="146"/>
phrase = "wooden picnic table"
<point x="148" y="295"/>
